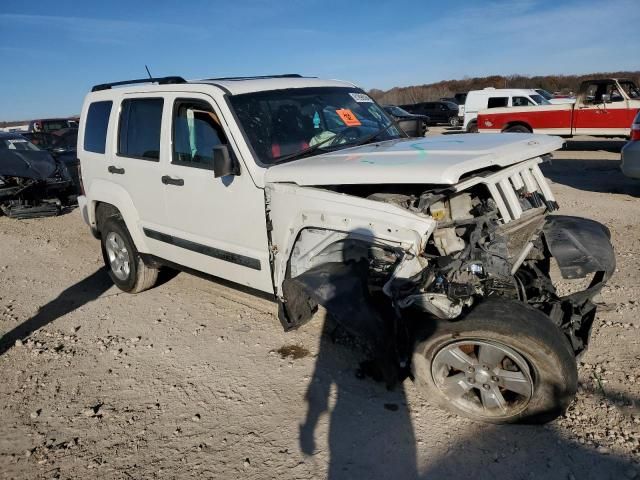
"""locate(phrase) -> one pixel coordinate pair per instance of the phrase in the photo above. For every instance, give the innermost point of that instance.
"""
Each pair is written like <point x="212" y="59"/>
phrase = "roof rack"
<point x="258" y="77"/>
<point x="159" y="81"/>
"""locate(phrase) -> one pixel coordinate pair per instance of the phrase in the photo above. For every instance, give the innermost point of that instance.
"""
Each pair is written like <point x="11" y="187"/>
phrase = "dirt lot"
<point x="189" y="379"/>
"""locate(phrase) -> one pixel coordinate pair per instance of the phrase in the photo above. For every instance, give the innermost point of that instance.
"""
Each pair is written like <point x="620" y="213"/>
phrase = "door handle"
<point x="116" y="170"/>
<point x="167" y="180"/>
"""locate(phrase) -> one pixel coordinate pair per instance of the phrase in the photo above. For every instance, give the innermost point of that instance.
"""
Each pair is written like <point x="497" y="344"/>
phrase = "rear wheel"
<point x="517" y="129"/>
<point x="126" y="267"/>
<point x="472" y="128"/>
<point x="504" y="362"/>
<point x="454" y="121"/>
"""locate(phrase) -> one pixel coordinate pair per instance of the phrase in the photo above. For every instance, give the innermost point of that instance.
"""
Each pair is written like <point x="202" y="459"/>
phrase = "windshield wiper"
<point x="368" y="138"/>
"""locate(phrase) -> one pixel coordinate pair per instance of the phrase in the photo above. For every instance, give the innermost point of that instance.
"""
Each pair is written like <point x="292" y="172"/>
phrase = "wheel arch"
<point x="113" y="199"/>
<point x="517" y="123"/>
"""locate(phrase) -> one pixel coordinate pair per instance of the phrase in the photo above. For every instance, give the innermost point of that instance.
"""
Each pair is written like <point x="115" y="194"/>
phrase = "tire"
<point x="539" y="364"/>
<point x="136" y="277"/>
<point x="454" y="121"/>
<point x="472" y="127"/>
<point x="517" y="129"/>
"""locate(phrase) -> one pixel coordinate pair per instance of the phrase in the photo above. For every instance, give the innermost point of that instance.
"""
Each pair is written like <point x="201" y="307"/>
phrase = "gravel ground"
<point x="195" y="378"/>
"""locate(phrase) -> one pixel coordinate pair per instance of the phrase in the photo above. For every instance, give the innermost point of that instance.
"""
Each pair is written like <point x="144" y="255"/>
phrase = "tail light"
<point x="635" y="132"/>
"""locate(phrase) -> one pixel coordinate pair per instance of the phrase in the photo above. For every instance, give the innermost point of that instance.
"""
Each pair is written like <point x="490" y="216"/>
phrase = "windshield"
<point x="546" y="95"/>
<point x="282" y="123"/>
<point x="17" y="143"/>
<point x="53" y="125"/>
<point x="631" y="89"/>
<point x="540" y="100"/>
<point x="397" y="111"/>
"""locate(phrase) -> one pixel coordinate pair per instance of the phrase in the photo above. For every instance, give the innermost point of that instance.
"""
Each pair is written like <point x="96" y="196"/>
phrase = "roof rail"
<point x="258" y="77"/>
<point x="159" y="81"/>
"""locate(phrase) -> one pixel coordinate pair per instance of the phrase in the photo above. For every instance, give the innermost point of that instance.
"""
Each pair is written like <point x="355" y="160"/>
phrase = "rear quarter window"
<point x="95" y="130"/>
<point x="497" y="102"/>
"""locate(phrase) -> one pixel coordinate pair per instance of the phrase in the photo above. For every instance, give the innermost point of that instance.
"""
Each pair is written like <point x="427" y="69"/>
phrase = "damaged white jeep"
<point x="436" y="250"/>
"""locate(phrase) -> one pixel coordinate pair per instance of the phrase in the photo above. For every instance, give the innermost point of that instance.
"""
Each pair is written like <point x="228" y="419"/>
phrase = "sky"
<point x="53" y="52"/>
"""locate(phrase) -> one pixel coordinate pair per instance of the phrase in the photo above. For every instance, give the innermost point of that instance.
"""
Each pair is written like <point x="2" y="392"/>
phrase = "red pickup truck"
<point x="604" y="107"/>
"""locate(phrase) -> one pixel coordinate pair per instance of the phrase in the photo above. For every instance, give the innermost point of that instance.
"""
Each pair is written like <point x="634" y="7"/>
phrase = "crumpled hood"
<point x="35" y="164"/>
<point x="438" y="160"/>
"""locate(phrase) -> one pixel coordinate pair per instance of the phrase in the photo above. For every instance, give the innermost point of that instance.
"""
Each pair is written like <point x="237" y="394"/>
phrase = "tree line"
<point x="566" y="84"/>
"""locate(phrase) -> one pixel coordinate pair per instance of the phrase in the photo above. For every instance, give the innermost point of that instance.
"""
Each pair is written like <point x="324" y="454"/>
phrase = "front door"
<point x="595" y="116"/>
<point x="217" y="225"/>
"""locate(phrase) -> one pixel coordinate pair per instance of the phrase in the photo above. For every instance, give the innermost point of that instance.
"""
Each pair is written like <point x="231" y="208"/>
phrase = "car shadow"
<point x="73" y="297"/>
<point x="602" y="176"/>
<point x="608" y="145"/>
<point x="526" y="452"/>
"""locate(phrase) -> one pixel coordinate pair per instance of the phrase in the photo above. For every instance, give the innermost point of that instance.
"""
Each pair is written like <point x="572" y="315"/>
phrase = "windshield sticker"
<point x="348" y="117"/>
<point x="316" y="120"/>
<point x="361" y="97"/>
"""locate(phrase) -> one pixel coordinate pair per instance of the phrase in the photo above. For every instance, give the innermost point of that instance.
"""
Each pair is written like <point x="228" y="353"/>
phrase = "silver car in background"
<point x="631" y="151"/>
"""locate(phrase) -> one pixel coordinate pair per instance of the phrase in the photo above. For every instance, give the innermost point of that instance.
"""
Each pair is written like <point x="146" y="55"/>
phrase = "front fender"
<point x="580" y="246"/>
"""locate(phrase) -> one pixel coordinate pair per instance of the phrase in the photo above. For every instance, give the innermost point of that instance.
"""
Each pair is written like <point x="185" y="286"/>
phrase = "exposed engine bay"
<point x="494" y="239"/>
<point x="32" y="183"/>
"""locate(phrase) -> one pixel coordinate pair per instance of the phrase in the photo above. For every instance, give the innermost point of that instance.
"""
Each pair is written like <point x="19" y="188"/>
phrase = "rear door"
<point x="216" y="225"/>
<point x="592" y="116"/>
<point x="135" y="164"/>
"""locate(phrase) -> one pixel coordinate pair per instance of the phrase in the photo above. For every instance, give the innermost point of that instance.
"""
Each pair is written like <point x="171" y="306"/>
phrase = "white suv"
<point x="478" y="100"/>
<point x="437" y="250"/>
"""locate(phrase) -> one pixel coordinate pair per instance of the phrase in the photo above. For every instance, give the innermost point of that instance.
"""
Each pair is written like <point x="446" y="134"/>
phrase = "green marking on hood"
<point x="422" y="151"/>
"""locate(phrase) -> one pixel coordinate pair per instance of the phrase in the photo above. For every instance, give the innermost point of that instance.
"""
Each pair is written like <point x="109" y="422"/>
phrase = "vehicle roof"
<point x="237" y="86"/>
<point x="503" y="91"/>
<point x="55" y="119"/>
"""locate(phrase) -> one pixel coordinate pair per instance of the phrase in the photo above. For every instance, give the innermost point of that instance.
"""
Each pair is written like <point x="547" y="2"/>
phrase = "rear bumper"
<point x="83" y="205"/>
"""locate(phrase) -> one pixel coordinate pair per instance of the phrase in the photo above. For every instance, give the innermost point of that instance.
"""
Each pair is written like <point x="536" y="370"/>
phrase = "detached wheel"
<point x="504" y="362"/>
<point x="454" y="121"/>
<point x="517" y="129"/>
<point x="126" y="267"/>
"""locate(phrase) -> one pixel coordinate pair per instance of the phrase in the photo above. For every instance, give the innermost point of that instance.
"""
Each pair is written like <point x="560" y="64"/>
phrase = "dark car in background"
<point x="32" y="182"/>
<point x="438" y="112"/>
<point x="412" y="124"/>
<point x="61" y="144"/>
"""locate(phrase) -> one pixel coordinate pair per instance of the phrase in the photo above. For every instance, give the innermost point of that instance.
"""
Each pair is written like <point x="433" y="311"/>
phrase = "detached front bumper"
<point x="581" y="247"/>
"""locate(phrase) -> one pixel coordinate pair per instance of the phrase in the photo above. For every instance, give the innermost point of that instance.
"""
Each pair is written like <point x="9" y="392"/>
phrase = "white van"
<point x="497" y="97"/>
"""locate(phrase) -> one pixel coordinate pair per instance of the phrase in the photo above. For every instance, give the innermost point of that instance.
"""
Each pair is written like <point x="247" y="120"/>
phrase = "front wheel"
<point x="505" y="362"/>
<point x="126" y="268"/>
<point x="454" y="121"/>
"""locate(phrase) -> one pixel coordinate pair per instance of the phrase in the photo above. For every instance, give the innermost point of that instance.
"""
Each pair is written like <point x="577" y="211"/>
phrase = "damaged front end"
<point x="493" y="237"/>
<point x="32" y="183"/>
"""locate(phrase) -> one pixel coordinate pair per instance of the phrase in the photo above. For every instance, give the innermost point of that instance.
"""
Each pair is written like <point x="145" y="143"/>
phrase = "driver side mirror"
<point x="223" y="163"/>
<point x="606" y="98"/>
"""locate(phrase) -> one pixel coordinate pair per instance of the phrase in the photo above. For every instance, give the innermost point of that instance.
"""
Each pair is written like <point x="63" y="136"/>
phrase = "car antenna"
<point x="148" y="72"/>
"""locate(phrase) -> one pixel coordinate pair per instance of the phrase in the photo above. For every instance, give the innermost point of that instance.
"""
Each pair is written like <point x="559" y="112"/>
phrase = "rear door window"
<point x="95" y="129"/>
<point x="521" y="102"/>
<point x="497" y="102"/>
<point x="139" y="129"/>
